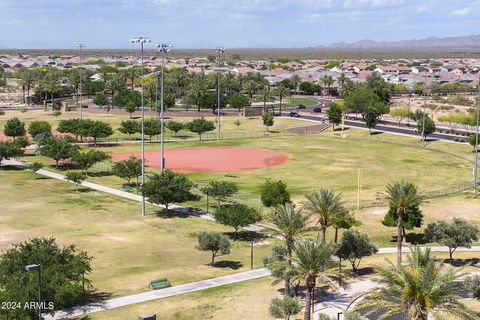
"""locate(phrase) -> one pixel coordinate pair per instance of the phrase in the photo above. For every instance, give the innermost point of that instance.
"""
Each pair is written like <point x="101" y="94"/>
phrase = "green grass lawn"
<point x="128" y="250"/>
<point x="233" y="302"/>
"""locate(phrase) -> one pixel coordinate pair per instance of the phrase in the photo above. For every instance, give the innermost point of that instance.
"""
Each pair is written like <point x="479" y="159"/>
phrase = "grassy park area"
<point x="128" y="251"/>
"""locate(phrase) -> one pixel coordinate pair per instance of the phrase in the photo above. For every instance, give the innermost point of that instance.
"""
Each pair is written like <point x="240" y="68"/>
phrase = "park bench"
<point x="127" y="188"/>
<point x="159" y="284"/>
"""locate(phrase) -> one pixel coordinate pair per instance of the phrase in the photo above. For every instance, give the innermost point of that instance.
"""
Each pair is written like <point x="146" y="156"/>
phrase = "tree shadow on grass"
<point x="84" y="190"/>
<point x="11" y="168"/>
<point x="99" y="174"/>
<point x="462" y="262"/>
<point x="172" y="213"/>
<point x="234" y="265"/>
<point x="376" y="133"/>
<point x="415" y="238"/>
<point x="245" y="235"/>
<point x="364" y="271"/>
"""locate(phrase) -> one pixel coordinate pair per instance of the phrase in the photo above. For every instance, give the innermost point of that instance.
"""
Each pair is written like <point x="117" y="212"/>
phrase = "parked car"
<point x="293" y="114"/>
<point x="301" y="106"/>
<point x="317" y="110"/>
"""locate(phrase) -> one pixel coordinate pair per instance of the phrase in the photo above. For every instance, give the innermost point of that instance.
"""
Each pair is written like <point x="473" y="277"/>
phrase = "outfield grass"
<point x="128" y="250"/>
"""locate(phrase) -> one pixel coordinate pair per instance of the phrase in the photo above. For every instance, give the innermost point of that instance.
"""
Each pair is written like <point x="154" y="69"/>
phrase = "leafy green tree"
<point x="36" y="166"/>
<point x="313" y="264"/>
<point x="128" y="169"/>
<point x="267" y="118"/>
<point x="39" y="127"/>
<point x="167" y="188"/>
<point x="237" y="122"/>
<point x="200" y="126"/>
<point x="215" y="242"/>
<point x="473" y="140"/>
<point x="402" y="195"/>
<point x="128" y="99"/>
<point x="360" y="99"/>
<point x="99" y="129"/>
<point x="354" y="246"/>
<point x="86" y="160"/>
<point x="459" y="233"/>
<point x="284" y="308"/>
<point x="274" y="193"/>
<point x="64" y="270"/>
<point x="237" y="216"/>
<point x="14" y="128"/>
<point x="382" y="89"/>
<point x="9" y="150"/>
<point x="129" y="127"/>
<point x="310" y="88"/>
<point x="289" y="223"/>
<point x="372" y="115"/>
<point x="221" y="190"/>
<point x="413" y="218"/>
<point x="174" y="126"/>
<point x="238" y="101"/>
<point x="57" y="149"/>
<point x="69" y="126"/>
<point x="101" y="99"/>
<point x="22" y="142"/>
<point x="324" y="204"/>
<point x="75" y="177"/>
<point x="334" y="114"/>
<point x="343" y="220"/>
<point x="421" y="289"/>
<point x="429" y="126"/>
<point x="152" y="127"/>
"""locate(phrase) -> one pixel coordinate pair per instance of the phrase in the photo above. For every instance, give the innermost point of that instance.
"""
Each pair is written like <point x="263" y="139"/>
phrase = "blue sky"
<point x="229" y="23"/>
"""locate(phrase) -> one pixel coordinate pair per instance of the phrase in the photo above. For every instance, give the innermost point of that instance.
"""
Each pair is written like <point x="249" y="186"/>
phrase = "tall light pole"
<point x="33" y="268"/>
<point x="163" y="48"/>
<point x="80" y="47"/>
<point x="475" y="169"/>
<point x="424" y="106"/>
<point x="220" y="51"/>
<point x="142" y="41"/>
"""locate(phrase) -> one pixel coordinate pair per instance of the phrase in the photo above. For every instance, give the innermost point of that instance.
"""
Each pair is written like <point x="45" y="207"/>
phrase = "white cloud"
<point x="461" y="12"/>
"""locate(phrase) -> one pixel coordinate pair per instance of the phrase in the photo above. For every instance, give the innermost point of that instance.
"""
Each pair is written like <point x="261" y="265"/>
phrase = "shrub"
<point x="23" y="110"/>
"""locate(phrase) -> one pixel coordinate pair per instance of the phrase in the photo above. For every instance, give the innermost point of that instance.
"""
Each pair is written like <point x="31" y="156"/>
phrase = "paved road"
<point x="159" y="294"/>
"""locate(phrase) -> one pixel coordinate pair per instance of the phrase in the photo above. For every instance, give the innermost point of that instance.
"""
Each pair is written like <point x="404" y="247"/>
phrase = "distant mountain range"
<point x="431" y="42"/>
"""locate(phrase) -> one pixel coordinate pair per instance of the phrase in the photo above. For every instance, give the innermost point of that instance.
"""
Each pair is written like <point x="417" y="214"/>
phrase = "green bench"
<point x="159" y="284"/>
<point x="127" y="188"/>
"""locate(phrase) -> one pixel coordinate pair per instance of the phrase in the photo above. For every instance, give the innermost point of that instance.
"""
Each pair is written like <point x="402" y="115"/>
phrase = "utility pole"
<point x="163" y="48"/>
<point x="142" y="41"/>
<point x="424" y="106"/>
<point x="475" y="169"/>
<point x="80" y="47"/>
<point x="220" y="51"/>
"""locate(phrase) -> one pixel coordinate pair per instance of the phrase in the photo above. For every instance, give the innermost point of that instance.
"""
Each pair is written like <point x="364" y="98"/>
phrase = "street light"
<point x="424" y="106"/>
<point x="475" y="169"/>
<point x="142" y="41"/>
<point x="80" y="47"/>
<point x="163" y="48"/>
<point x="33" y="268"/>
<point x="220" y="51"/>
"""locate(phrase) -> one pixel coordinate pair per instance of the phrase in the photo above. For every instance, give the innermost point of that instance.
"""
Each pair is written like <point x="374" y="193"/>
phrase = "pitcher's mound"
<point x="210" y="159"/>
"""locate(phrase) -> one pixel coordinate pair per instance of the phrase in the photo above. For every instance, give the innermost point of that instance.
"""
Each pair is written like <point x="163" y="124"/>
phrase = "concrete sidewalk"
<point x="160" y="294"/>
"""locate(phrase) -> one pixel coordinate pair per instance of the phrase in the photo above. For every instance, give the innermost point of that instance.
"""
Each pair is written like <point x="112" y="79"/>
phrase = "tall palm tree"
<point x="296" y="82"/>
<point x="324" y="204"/>
<point x="402" y="195"/>
<point x="198" y="88"/>
<point x="250" y="88"/>
<point x="342" y="79"/>
<point x="289" y="223"/>
<point x="327" y="81"/>
<point x="312" y="264"/>
<point x="113" y="85"/>
<point x="281" y="91"/>
<point x="266" y="94"/>
<point x="74" y="80"/>
<point x="420" y="290"/>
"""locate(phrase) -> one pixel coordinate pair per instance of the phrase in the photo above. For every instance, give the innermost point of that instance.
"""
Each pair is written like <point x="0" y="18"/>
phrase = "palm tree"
<point x="313" y="263"/>
<point x="327" y="81"/>
<point x="198" y="88"/>
<point x="250" y="88"/>
<point x="296" y="82"/>
<point x="113" y="85"/>
<point x="132" y="74"/>
<point x="343" y="220"/>
<point x="342" y="79"/>
<point x="74" y="79"/>
<point x="266" y="94"/>
<point x="281" y="91"/>
<point x="423" y="289"/>
<point x="324" y="204"/>
<point x="402" y="195"/>
<point x="288" y="223"/>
